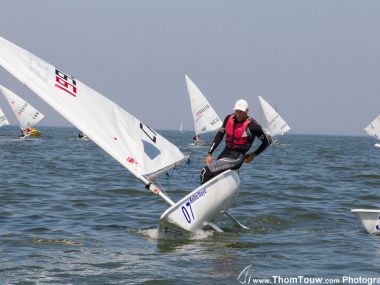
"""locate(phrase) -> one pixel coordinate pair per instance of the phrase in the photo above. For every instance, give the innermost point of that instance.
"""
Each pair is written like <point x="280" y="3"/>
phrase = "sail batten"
<point x="276" y="124"/>
<point x="204" y="115"/>
<point x="130" y="142"/>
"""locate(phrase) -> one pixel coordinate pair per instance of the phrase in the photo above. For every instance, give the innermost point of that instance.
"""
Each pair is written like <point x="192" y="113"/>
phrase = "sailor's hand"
<point x="208" y="159"/>
<point x="249" y="157"/>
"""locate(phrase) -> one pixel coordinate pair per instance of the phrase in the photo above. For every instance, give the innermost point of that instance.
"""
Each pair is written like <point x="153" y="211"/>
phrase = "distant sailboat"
<point x="373" y="129"/>
<point x="205" y="117"/>
<point x="3" y="119"/>
<point x="140" y="149"/>
<point x="83" y="136"/>
<point x="27" y="116"/>
<point x="276" y="124"/>
<point x="181" y="128"/>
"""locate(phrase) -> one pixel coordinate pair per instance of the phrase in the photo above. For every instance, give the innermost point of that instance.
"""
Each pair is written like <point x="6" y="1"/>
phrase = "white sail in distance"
<point x="26" y="114"/>
<point x="205" y="117"/>
<point x="3" y="119"/>
<point x="133" y="144"/>
<point x="373" y="129"/>
<point x="276" y="124"/>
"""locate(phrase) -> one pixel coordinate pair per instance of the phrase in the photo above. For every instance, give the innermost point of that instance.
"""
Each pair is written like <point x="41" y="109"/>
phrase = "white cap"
<point x="241" y="105"/>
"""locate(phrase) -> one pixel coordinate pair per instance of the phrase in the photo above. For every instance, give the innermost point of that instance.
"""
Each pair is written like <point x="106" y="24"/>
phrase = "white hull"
<point x="202" y="206"/>
<point x="369" y="218"/>
<point x="377" y="145"/>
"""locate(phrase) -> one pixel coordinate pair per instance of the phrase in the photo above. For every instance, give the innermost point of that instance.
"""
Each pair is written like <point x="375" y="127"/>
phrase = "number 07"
<point x="186" y="213"/>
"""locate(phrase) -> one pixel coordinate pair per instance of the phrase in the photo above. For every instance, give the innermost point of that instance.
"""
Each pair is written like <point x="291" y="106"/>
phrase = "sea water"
<point x="70" y="214"/>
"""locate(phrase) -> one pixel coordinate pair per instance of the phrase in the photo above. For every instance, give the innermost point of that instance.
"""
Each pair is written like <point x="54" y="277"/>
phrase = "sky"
<point x="316" y="62"/>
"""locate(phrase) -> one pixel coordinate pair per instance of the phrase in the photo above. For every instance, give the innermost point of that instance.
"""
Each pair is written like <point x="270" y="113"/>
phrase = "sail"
<point x="373" y="129"/>
<point x="276" y="124"/>
<point x="205" y="117"/>
<point x="25" y="113"/>
<point x="3" y="119"/>
<point x="133" y="144"/>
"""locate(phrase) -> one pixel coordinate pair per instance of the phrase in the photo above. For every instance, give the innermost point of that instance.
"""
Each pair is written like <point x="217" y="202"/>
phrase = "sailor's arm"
<point x="217" y="139"/>
<point x="265" y="139"/>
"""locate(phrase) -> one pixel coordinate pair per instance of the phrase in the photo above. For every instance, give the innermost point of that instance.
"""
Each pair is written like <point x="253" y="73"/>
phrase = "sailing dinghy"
<point x="276" y="124"/>
<point x="373" y="129"/>
<point x="205" y="118"/>
<point x="370" y="218"/>
<point x="27" y="116"/>
<point x="3" y="119"/>
<point x="137" y="147"/>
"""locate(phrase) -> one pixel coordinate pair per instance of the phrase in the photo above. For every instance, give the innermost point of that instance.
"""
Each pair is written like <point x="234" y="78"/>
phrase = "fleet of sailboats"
<point x="27" y="116"/>
<point x="205" y="118"/>
<point x="140" y="149"/>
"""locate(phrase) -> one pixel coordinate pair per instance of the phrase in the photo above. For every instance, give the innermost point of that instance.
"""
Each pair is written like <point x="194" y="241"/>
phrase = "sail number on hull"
<point x="186" y="213"/>
<point x="187" y="209"/>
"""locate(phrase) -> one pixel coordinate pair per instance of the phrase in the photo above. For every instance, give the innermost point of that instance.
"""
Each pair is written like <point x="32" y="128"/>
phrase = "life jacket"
<point x="235" y="132"/>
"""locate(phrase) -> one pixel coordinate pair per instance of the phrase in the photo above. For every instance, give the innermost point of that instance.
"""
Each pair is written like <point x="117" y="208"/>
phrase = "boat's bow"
<point x="202" y="207"/>
<point x="369" y="218"/>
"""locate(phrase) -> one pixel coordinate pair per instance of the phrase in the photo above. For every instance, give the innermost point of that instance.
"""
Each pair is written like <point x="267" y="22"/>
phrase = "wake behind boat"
<point x="27" y="116"/>
<point x="136" y="146"/>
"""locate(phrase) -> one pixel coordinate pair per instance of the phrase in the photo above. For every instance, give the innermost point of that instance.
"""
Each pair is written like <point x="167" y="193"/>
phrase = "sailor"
<point x="25" y="132"/>
<point x="240" y="131"/>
